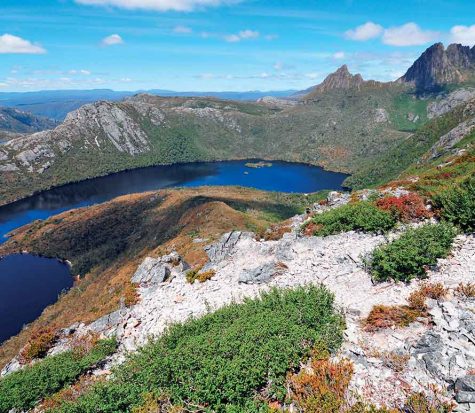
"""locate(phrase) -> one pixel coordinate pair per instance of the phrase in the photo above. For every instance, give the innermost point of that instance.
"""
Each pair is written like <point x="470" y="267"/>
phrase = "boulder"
<point x="465" y="389"/>
<point x="225" y="246"/>
<point x="261" y="274"/>
<point x="151" y="271"/>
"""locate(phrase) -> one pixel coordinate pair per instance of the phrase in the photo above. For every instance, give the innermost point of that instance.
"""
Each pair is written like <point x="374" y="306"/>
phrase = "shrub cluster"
<point x="358" y="216"/>
<point x="458" y="205"/>
<point x="195" y="275"/>
<point x="410" y="255"/>
<point x="38" y="345"/>
<point x="322" y="386"/>
<point x="218" y="362"/>
<point x="21" y="390"/>
<point x="384" y="316"/>
<point x="406" y="208"/>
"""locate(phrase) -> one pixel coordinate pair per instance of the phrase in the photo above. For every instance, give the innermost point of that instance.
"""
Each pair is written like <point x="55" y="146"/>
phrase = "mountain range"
<point x="56" y="104"/>
<point x="345" y="124"/>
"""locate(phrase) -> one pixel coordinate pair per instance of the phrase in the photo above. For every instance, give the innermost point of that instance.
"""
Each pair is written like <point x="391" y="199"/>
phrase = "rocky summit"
<point x="439" y="66"/>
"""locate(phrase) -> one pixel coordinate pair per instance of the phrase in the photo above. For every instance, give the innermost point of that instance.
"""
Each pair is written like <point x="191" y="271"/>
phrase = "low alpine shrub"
<point x="358" y="216"/>
<point x="410" y="255"/>
<point x="458" y="205"/>
<point x="220" y="362"/>
<point x="406" y="208"/>
<point x="38" y="345"/>
<point x="22" y="389"/>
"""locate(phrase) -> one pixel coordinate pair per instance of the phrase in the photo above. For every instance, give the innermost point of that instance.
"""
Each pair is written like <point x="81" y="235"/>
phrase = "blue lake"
<point x="28" y="284"/>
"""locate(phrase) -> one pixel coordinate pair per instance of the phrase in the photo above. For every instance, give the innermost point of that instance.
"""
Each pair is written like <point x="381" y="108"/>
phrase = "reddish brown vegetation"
<point x="410" y="207"/>
<point x="382" y="316"/>
<point x="38" y="345"/>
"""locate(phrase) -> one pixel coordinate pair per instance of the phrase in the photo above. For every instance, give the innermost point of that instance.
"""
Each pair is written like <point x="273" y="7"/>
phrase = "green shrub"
<point x="24" y="388"/>
<point x="360" y="216"/>
<point x="221" y="360"/>
<point x="409" y="256"/>
<point x="458" y="205"/>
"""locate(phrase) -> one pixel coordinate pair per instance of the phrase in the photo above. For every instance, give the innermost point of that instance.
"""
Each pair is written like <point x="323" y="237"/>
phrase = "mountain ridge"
<point x="439" y="66"/>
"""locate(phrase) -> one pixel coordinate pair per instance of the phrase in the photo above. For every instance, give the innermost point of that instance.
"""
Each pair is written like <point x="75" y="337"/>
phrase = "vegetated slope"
<point x="425" y="145"/>
<point x="106" y="243"/>
<point x="339" y="129"/>
<point x="15" y="120"/>
<point x="432" y="175"/>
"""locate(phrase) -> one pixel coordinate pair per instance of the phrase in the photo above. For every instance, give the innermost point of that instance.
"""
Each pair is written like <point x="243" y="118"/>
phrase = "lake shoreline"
<point x="112" y="173"/>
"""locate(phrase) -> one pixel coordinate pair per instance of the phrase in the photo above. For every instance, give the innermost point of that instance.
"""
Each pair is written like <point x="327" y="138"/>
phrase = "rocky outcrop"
<point x="445" y="103"/>
<point x="450" y="139"/>
<point x="438" y="66"/>
<point x="157" y="270"/>
<point x="97" y="126"/>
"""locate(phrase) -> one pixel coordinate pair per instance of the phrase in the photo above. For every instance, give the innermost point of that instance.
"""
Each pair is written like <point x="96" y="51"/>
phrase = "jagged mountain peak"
<point x="439" y="66"/>
<point x="341" y="79"/>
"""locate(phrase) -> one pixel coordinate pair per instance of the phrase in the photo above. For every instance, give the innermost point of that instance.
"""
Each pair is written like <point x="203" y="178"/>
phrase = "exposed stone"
<point x="438" y="66"/>
<point x="260" y="274"/>
<point x="151" y="271"/>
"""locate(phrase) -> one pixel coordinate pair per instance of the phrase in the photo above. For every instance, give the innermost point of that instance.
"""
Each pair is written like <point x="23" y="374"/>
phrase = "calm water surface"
<point x="28" y="284"/>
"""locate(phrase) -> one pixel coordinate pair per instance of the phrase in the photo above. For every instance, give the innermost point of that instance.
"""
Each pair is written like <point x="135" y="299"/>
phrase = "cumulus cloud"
<point x="182" y="29"/>
<point x="463" y="34"/>
<point x="10" y="44"/>
<point x="364" y="32"/>
<point x="409" y="34"/>
<point x="339" y="55"/>
<point x="242" y="35"/>
<point x="112" y="40"/>
<point x="157" y="5"/>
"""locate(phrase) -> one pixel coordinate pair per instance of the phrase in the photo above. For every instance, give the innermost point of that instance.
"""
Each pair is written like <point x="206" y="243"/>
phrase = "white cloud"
<point x="16" y="45"/>
<point x="232" y="38"/>
<point x="339" y="55"/>
<point x="112" y="40"/>
<point x="364" y="32"/>
<point x="79" y="72"/>
<point x="242" y="35"/>
<point x="278" y="66"/>
<point x="463" y="34"/>
<point x="248" y="34"/>
<point x="182" y="29"/>
<point x="157" y="5"/>
<point x="312" y="75"/>
<point x="409" y="34"/>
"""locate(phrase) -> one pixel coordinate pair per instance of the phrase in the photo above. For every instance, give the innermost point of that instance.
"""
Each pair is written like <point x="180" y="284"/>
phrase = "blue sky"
<point x="211" y="45"/>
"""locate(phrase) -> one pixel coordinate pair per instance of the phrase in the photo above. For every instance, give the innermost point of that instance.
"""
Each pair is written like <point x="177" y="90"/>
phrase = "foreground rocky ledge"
<point x="440" y="352"/>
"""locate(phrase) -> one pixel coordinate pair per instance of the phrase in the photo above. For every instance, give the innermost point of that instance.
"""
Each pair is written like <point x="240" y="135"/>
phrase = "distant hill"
<point x="56" y="104"/>
<point x="13" y="120"/>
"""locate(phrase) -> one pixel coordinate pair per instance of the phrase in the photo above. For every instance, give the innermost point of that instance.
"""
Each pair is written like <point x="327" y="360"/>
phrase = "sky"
<point x="217" y="45"/>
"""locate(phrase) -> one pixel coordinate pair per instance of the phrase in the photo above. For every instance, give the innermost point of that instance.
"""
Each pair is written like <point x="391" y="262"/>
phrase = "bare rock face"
<point x="446" y="103"/>
<point x="438" y="66"/>
<point x="97" y="126"/>
<point x="450" y="139"/>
